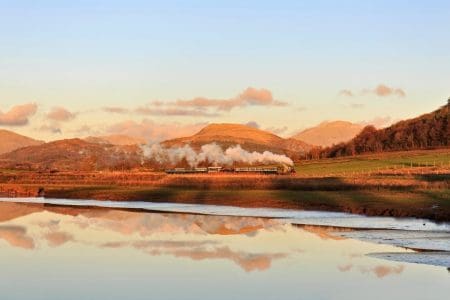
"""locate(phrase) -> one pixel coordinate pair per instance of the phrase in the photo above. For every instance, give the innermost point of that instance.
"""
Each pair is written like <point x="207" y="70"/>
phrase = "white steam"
<point x="212" y="154"/>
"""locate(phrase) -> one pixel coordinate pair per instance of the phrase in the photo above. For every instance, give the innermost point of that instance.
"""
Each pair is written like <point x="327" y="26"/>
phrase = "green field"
<point x="375" y="162"/>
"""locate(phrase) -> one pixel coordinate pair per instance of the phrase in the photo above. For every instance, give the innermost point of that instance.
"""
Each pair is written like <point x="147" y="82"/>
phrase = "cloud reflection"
<point x="56" y="239"/>
<point x="380" y="271"/>
<point x="16" y="236"/>
<point x="208" y="235"/>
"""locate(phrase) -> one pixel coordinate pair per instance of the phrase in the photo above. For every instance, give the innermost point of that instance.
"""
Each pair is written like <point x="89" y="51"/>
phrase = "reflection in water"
<point x="435" y="258"/>
<point x="142" y="225"/>
<point x="16" y="236"/>
<point x="380" y="271"/>
<point x="58" y="238"/>
<point x="165" y="249"/>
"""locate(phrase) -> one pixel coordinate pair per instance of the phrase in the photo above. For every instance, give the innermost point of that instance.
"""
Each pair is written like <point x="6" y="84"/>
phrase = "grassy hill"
<point x="10" y="141"/>
<point x="250" y="139"/>
<point x="72" y="155"/>
<point x="329" y="133"/>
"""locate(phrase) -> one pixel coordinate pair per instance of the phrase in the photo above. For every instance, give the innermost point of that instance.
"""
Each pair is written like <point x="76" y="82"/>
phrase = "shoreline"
<point x="430" y="205"/>
<point x="420" y="196"/>
<point x="427" y="204"/>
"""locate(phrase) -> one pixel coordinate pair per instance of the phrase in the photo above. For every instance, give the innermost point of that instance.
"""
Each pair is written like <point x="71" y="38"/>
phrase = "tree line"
<point x="427" y="131"/>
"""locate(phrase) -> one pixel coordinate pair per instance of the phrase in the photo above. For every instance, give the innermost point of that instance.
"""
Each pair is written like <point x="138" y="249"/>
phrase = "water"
<point x="62" y="252"/>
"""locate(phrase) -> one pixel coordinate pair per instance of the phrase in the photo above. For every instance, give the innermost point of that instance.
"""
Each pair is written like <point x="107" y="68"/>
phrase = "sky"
<point x="162" y="69"/>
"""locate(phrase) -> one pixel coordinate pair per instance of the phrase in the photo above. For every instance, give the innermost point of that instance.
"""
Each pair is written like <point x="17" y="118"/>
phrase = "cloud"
<point x="85" y="129"/>
<point x="345" y="268"/>
<point x="378" y="122"/>
<point x="54" y="129"/>
<point x="18" y="115"/>
<point x="247" y="261"/>
<point x="252" y="124"/>
<point x="202" y="250"/>
<point x="152" y="131"/>
<point x="277" y="130"/>
<point x="114" y="245"/>
<point x="60" y="114"/>
<point x="274" y="130"/>
<point x="172" y="244"/>
<point x="203" y="106"/>
<point x="381" y="271"/>
<point x="250" y="96"/>
<point x="357" y="105"/>
<point x="346" y="93"/>
<point x="115" y="109"/>
<point x="173" y="112"/>
<point x="385" y="91"/>
<point x="16" y="236"/>
<point x="199" y="250"/>
<point x="58" y="238"/>
<point x="380" y="90"/>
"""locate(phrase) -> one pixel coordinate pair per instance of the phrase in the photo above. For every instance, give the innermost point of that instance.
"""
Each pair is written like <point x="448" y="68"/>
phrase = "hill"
<point x="329" y="133"/>
<point x="72" y="155"/>
<point x="250" y="139"/>
<point x="430" y="130"/>
<point x="116" y="139"/>
<point x="11" y="141"/>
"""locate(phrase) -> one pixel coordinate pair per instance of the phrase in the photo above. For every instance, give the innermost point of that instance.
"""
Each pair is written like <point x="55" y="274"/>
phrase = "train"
<point x="277" y="170"/>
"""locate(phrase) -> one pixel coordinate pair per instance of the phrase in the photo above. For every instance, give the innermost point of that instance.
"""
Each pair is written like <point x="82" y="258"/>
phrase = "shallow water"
<point x="62" y="252"/>
<point x="323" y="218"/>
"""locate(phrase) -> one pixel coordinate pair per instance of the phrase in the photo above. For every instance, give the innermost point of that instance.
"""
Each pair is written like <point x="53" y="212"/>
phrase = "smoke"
<point x="212" y="154"/>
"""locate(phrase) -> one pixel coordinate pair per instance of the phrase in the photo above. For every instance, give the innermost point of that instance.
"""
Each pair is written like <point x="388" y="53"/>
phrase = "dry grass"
<point x="430" y="178"/>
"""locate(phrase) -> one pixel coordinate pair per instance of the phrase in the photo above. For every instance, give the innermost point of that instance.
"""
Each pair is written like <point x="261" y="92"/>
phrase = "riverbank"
<point x="429" y="204"/>
<point x="422" y="195"/>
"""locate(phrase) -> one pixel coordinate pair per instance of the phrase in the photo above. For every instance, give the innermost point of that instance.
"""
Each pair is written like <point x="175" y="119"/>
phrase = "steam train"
<point x="278" y="170"/>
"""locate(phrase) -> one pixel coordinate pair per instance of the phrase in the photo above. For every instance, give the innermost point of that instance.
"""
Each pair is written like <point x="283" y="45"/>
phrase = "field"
<point x="406" y="162"/>
<point x="414" y="184"/>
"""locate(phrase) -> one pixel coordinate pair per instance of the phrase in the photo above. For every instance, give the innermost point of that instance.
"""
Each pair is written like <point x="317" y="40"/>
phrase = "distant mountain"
<point x="73" y="155"/>
<point x="426" y="131"/>
<point x="250" y="139"/>
<point x="10" y="141"/>
<point x="329" y="133"/>
<point x="116" y="139"/>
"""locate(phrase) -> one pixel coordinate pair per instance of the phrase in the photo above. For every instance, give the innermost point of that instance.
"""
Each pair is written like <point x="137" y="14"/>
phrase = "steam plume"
<point x="212" y="154"/>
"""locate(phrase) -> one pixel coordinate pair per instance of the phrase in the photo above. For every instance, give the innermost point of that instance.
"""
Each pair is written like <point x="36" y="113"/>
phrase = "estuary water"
<point x="78" y="249"/>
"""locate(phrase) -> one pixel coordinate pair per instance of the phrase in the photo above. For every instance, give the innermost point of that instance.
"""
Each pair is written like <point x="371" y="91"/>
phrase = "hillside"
<point x="430" y="130"/>
<point x="250" y="139"/>
<point x="116" y="139"/>
<point x="11" y="141"/>
<point x="329" y="133"/>
<point x="72" y="155"/>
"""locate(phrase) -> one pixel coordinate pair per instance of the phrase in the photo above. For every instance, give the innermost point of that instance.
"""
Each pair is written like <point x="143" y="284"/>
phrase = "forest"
<point x="428" y="131"/>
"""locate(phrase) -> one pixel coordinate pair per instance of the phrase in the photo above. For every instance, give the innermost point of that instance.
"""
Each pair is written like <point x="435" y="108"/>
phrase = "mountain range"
<point x="123" y="152"/>
<point x="329" y="133"/>
<point x="10" y="141"/>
